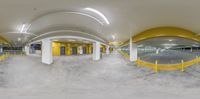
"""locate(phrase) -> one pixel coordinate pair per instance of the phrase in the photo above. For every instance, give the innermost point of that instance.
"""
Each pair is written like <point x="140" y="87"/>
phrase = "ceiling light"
<point x="195" y="45"/>
<point x="169" y="44"/>
<point x="167" y="47"/>
<point x="140" y="45"/>
<point x="23" y="28"/>
<point x="99" y="13"/>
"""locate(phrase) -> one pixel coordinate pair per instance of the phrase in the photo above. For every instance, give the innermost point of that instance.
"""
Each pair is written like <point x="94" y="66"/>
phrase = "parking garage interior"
<point x="106" y="49"/>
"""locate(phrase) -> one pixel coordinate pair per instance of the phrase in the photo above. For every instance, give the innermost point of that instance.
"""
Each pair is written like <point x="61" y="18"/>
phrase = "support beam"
<point x="107" y="49"/>
<point x="27" y="50"/>
<point x="133" y="51"/>
<point x="96" y="51"/>
<point x="47" y="57"/>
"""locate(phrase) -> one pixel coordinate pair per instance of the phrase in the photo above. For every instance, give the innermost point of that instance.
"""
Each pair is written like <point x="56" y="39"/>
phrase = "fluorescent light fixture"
<point x="99" y="13"/>
<point x="170" y="44"/>
<point x="140" y="45"/>
<point x="167" y="47"/>
<point x="23" y="28"/>
<point x="195" y="45"/>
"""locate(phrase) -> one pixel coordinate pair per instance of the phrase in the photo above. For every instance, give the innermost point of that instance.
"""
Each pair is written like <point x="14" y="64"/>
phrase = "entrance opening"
<point x="62" y="50"/>
<point x="84" y="50"/>
<point x="74" y="50"/>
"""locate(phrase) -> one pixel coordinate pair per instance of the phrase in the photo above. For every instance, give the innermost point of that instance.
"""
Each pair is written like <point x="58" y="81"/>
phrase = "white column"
<point x="157" y="51"/>
<point x="27" y="50"/>
<point x="81" y="50"/>
<point x="133" y="51"/>
<point x="96" y="51"/>
<point x="107" y="49"/>
<point x="1" y="49"/>
<point x="47" y="57"/>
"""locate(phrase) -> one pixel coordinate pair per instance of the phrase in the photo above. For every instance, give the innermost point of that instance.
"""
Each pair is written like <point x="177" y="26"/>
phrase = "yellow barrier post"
<point x="1" y="58"/>
<point x="197" y="60"/>
<point x="156" y="66"/>
<point x="182" y="65"/>
<point x="138" y="62"/>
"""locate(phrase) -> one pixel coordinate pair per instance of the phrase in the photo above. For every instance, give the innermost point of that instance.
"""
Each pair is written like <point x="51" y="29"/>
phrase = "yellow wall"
<point x="103" y="47"/>
<point x="4" y="41"/>
<point x="56" y="49"/>
<point x="68" y="47"/>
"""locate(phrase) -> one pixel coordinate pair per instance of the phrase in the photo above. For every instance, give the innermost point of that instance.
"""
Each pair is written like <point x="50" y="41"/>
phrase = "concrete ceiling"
<point x="126" y="17"/>
<point x="168" y="42"/>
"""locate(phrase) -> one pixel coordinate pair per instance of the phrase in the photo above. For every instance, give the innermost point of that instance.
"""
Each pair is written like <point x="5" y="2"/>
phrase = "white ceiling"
<point x="126" y="17"/>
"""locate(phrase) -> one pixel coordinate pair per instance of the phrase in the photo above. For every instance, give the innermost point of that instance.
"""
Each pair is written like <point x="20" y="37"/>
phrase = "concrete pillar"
<point x="27" y="50"/>
<point x="157" y="51"/>
<point x="80" y="50"/>
<point x="133" y="51"/>
<point x="69" y="49"/>
<point x="107" y="49"/>
<point x="1" y="49"/>
<point x="47" y="57"/>
<point x="96" y="51"/>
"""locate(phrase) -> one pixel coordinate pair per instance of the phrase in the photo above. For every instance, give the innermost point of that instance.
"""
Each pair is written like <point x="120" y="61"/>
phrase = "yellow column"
<point x="56" y="49"/>
<point x="89" y="49"/>
<point x="156" y="66"/>
<point x="69" y="52"/>
<point x="182" y="66"/>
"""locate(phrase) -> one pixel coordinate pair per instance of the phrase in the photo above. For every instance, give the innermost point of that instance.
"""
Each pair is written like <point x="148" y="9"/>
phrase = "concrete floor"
<point x="78" y="77"/>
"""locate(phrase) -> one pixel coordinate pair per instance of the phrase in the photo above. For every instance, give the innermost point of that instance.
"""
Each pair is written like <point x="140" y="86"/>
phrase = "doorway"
<point x="62" y="50"/>
<point x="74" y="50"/>
<point x="84" y="50"/>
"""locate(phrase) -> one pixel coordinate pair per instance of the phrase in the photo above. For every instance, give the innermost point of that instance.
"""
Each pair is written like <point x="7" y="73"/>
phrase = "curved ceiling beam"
<point x="99" y="13"/>
<point x="51" y="32"/>
<point x="28" y="33"/>
<point x="166" y="32"/>
<point x="68" y="12"/>
<point x="67" y="37"/>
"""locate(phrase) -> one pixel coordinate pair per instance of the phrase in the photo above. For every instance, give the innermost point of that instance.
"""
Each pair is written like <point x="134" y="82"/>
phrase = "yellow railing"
<point x="157" y="67"/>
<point x="4" y="56"/>
<point x="124" y="54"/>
<point x="7" y="55"/>
<point x="166" y="67"/>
